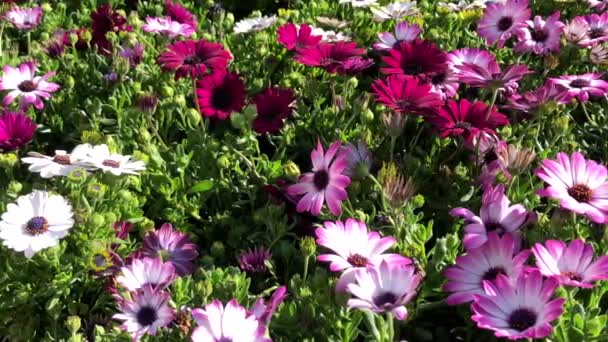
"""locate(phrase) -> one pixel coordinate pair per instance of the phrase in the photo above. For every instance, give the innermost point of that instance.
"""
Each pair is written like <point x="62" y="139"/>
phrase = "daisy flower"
<point x="475" y="56"/>
<point x="510" y="160"/>
<point x="396" y="10"/>
<point x="598" y="5"/>
<point x="580" y="87"/>
<point x="254" y="24"/>
<point x="172" y="246"/>
<point x="35" y="221"/>
<point x="531" y="102"/>
<point x="168" y="27"/>
<point x="406" y="95"/>
<point x="330" y="57"/>
<point x="540" y="36"/>
<point x="326" y="183"/>
<point x="572" y="264"/>
<point x="146" y="272"/>
<point x="358" y="160"/>
<point x="229" y="323"/>
<point x="445" y="84"/>
<point x="333" y="23"/>
<point x="220" y="94"/>
<point x="580" y="185"/>
<point x="355" y="247"/>
<point x="502" y="20"/>
<point x="22" y="82"/>
<point x="133" y="54"/>
<point x="254" y="261"/>
<point x="106" y="19"/>
<point x="24" y="18"/>
<point x="61" y="164"/>
<point x="520" y="309"/>
<point x="145" y="313"/>
<point x="418" y="58"/>
<point x="386" y="287"/>
<point x="330" y="36"/>
<point x="16" y="131"/>
<point x="101" y="158"/>
<point x="595" y="27"/>
<point x="262" y="311"/>
<point x="491" y="76"/>
<point x="404" y="32"/>
<point x="359" y="3"/>
<point x="497" y="256"/>
<point x="294" y="37"/>
<point x="180" y="14"/>
<point x="273" y="106"/>
<point x="194" y="58"/>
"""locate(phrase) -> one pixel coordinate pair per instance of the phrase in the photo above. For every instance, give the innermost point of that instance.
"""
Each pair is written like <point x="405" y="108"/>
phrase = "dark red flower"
<point x="16" y="130"/>
<point x="417" y="58"/>
<point x="330" y="57"/>
<point x="292" y="37"/>
<point x="273" y="106"/>
<point x="180" y="14"/>
<point x="105" y="20"/>
<point x="194" y="58"/>
<point x="220" y="93"/>
<point x="406" y="94"/>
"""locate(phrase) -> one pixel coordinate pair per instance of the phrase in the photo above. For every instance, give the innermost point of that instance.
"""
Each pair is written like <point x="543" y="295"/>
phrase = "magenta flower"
<point x="496" y="215"/>
<point x="485" y="263"/>
<point x="194" y="58"/>
<point x="172" y="246"/>
<point x="330" y="57"/>
<point x="520" y="309"/>
<point x="262" y="311"/>
<point x="133" y="54"/>
<point x="532" y="101"/>
<point x="230" y="323"/>
<point x="220" y="94"/>
<point x="105" y="19"/>
<point x="273" y="105"/>
<point x="579" y="184"/>
<point x="294" y="37"/>
<point x="355" y="248"/>
<point x="180" y="14"/>
<point x="147" y="312"/>
<point x="326" y="183"/>
<point x="23" y="83"/>
<point x="166" y="26"/>
<point x="540" y="36"/>
<point x="502" y="20"/>
<point x="386" y="287"/>
<point x="418" y="58"/>
<point x="475" y="56"/>
<point x="572" y="264"/>
<point x="147" y="272"/>
<point x="355" y="65"/>
<point x="598" y="5"/>
<point x="404" y="32"/>
<point x="580" y="87"/>
<point x="24" y="18"/>
<point x="406" y="95"/>
<point x="254" y="261"/>
<point x="590" y="30"/>
<point x="492" y="77"/>
<point x="445" y="84"/>
<point x="16" y="131"/>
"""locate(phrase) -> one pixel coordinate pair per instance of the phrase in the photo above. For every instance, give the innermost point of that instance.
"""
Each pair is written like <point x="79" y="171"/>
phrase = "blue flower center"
<point x="37" y="225"/>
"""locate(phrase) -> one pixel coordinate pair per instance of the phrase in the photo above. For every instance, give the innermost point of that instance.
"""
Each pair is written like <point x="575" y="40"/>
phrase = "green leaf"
<point x="202" y="186"/>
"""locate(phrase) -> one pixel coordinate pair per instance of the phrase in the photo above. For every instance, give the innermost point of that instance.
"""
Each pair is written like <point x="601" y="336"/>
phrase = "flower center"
<point x="492" y="273"/>
<point x="581" y="193"/>
<point x="99" y="260"/>
<point x="27" y="86"/>
<point x="111" y="163"/>
<point x="413" y="68"/>
<point x="494" y="227"/>
<point x="596" y="32"/>
<point x="357" y="260"/>
<point x="321" y="179"/>
<point x="257" y="26"/>
<point x="192" y="60"/>
<point x="384" y="299"/>
<point x="146" y="316"/>
<point x="579" y="83"/>
<point x="438" y="79"/>
<point x="539" y="35"/>
<point x="463" y="125"/>
<point x="572" y="276"/>
<point x="522" y="319"/>
<point x="505" y="23"/>
<point x="490" y="156"/>
<point x="403" y="104"/>
<point x="221" y="99"/>
<point x="224" y="339"/>
<point x="37" y="225"/>
<point x="62" y="159"/>
<point x="327" y="61"/>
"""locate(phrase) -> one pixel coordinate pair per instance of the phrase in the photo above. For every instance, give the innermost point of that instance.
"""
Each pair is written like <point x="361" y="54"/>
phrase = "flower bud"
<point x="97" y="220"/>
<point x="218" y="250"/>
<point x="168" y="91"/>
<point x="238" y="121"/>
<point x="223" y="162"/>
<point x="194" y="117"/>
<point x="69" y="82"/>
<point x="308" y="246"/>
<point x="367" y="116"/>
<point x="96" y="190"/>
<point x="46" y="7"/>
<point x="78" y="176"/>
<point x="73" y="324"/>
<point x="91" y="137"/>
<point x="9" y="160"/>
<point x="14" y="187"/>
<point x="291" y="170"/>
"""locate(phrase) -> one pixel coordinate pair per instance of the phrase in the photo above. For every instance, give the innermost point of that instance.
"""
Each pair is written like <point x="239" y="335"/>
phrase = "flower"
<point x="579" y="184"/>
<point x="571" y="264"/>
<point x="510" y="160"/>
<point x="355" y="247"/>
<point x="520" y="309"/>
<point x="172" y="246"/>
<point x="355" y="65"/>
<point x="466" y="5"/>
<point x="105" y="19"/>
<point x="229" y="323"/>
<point x="577" y="30"/>
<point x="147" y="312"/>
<point x="220" y="94"/>
<point x="406" y="94"/>
<point x="146" y="272"/>
<point x="491" y="76"/>
<point x="194" y="58"/>
<point x="294" y="37"/>
<point x="496" y="215"/>
<point x="22" y="82"/>
<point x="35" y="221"/>
<point x="532" y="102"/>
<point x="16" y="130"/>
<point x="359" y="3"/>
<point x="589" y="30"/>
<point x="540" y="36"/>
<point x="333" y="23"/>
<point x="133" y="54"/>
<point x="24" y="18"/>
<point x="147" y="103"/>
<point x="122" y="229"/>
<point x="404" y="32"/>
<point x="330" y="57"/>
<point x="398" y="189"/>
<point x="180" y="14"/>
<point x="254" y="24"/>
<point x="580" y="87"/>
<point x="460" y="57"/>
<point x="330" y="36"/>
<point x="418" y="58"/>
<point x="396" y="10"/>
<point x="384" y="287"/>
<point x="485" y="263"/>
<point x="598" y="5"/>
<point x="254" y="261"/>
<point x="502" y="20"/>
<point x="56" y="45"/>
<point x="264" y="312"/>
<point x="599" y="54"/>
<point x="101" y="158"/>
<point x="326" y="183"/>
<point x="445" y="84"/>
<point x="358" y="160"/>
<point x="467" y="119"/>
<point x="273" y="106"/>
<point x="165" y="26"/>
<point x="61" y="164"/>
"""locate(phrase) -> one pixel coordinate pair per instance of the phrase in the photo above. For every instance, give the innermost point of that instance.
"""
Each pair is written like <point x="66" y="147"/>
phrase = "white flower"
<point x="254" y="24"/>
<point x="359" y="3"/>
<point x="117" y="164"/>
<point x="396" y="10"/>
<point x="168" y="27"/>
<point x="146" y="272"/>
<point x="35" y="222"/>
<point x="329" y="36"/>
<point x="465" y="5"/>
<point x="61" y="164"/>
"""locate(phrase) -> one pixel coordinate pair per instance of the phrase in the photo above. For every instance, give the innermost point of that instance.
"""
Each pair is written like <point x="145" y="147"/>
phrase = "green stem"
<point x="371" y="320"/>
<point x="305" y="267"/>
<point x="393" y="141"/>
<point x="587" y="116"/>
<point x="391" y="326"/>
<point x="29" y="42"/>
<point x="195" y="96"/>
<point x="492" y="102"/>
<point x="1" y="35"/>
<point x="381" y="188"/>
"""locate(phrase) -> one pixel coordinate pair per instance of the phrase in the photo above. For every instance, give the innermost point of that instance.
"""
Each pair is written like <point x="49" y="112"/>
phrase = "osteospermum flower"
<point x="445" y="84"/>
<point x="330" y="57"/>
<point x="133" y="54"/>
<point x="491" y="76"/>
<point x="404" y="32"/>
<point x="326" y="183"/>
<point x="106" y="19"/>
<point x="406" y="94"/>
<point x="418" y="58"/>
<point x="254" y="24"/>
<point x="229" y="323"/>
<point x="35" y="221"/>
<point x="475" y="56"/>
<point x="101" y="158"/>
<point x="24" y="18"/>
<point x="496" y="215"/>
<point x="540" y="36"/>
<point x="595" y="28"/>
<point x="580" y="185"/>
<point x="220" y="94"/>
<point x="396" y="10"/>
<point x="532" y="102"/>
<point x="22" y="83"/>
<point x="495" y="257"/>
<point x="355" y="248"/>
<point x="61" y="164"/>
<point x="273" y="106"/>
<point x="386" y="287"/>
<point x="145" y="313"/>
<point x="180" y="14"/>
<point x="598" y="5"/>
<point x="502" y="20"/>
<point x="359" y="3"/>
<point x="510" y="160"/>
<point x="330" y="36"/>
<point x="194" y="58"/>
<point x="572" y="264"/>
<point x="16" y="130"/>
<point x="168" y="27"/>
<point x="172" y="246"/>
<point x="580" y="87"/>
<point x="519" y="309"/>
<point x="254" y="261"/>
<point x="262" y="311"/>
<point x="294" y="37"/>
<point x="146" y="272"/>
<point x="358" y="160"/>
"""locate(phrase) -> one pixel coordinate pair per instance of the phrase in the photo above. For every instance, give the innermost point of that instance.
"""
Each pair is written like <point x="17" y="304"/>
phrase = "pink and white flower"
<point x="475" y="56"/>
<point x="229" y="323"/>
<point x="581" y="87"/>
<point x="24" y="18"/>
<point x="168" y="27"/>
<point x="404" y="32"/>
<point x="22" y="82"/>
<point x="262" y="311"/>
<point x="147" y="312"/>
<point x="502" y="20"/>
<point x="540" y="36"/>
<point x="147" y="272"/>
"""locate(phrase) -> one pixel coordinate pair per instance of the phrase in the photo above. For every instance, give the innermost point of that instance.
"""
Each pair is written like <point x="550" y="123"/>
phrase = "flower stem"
<point x="29" y="42"/>
<point x="198" y="108"/>
<point x="305" y="267"/>
<point x="381" y="188"/>
<point x="1" y="36"/>
<point x="371" y="320"/>
<point x="391" y="326"/>
<point x="492" y="102"/>
<point x="589" y="119"/>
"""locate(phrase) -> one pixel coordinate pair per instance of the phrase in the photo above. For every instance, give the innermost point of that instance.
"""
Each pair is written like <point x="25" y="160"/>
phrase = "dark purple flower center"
<point x="223" y="339"/>
<point x="384" y="299"/>
<point x="62" y="159"/>
<point x="193" y="60"/>
<point x="413" y="68"/>
<point x="463" y="125"/>
<point x="505" y="23"/>
<point x="37" y="225"/>
<point x="581" y="193"/>
<point x="522" y="319"/>
<point x="539" y="35"/>
<point x="327" y="61"/>
<point x="321" y="179"/>
<point x="357" y="260"/>
<point x="596" y="32"/>
<point x="579" y="83"/>
<point x="404" y="103"/>
<point x="146" y="316"/>
<point x="490" y="156"/>
<point x="493" y="272"/>
<point x="572" y="276"/>
<point x="111" y="163"/>
<point x="494" y="227"/>
<point x="221" y="99"/>
<point x="438" y="78"/>
<point x="26" y="86"/>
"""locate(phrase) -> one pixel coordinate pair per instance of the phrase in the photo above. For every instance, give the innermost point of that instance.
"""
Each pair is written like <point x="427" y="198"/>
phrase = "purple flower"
<point x="358" y="160"/>
<point x="444" y="83"/>
<point x="532" y="101"/>
<point x="491" y="76"/>
<point x="540" y="36"/>
<point x="133" y="54"/>
<point x="254" y="261"/>
<point x="404" y="32"/>
<point x="589" y="30"/>
<point x="16" y="130"/>
<point x="180" y="14"/>
<point x="502" y="20"/>
<point x="580" y="87"/>
<point x="460" y="57"/>
<point x="263" y="312"/>
<point x="172" y="246"/>
<point x="145" y="313"/>
<point x="22" y="82"/>
<point x="24" y="18"/>
<point x="147" y="272"/>
<point x="230" y="323"/>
